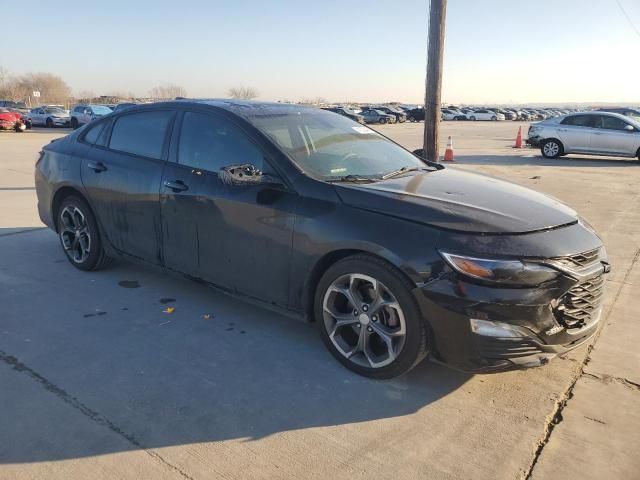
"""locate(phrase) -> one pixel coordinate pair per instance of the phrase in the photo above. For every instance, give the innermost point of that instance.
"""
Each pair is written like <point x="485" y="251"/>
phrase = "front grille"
<point x="577" y="307"/>
<point x="580" y="260"/>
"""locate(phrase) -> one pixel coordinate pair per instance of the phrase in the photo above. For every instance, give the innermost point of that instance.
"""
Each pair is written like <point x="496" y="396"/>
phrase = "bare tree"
<point x="243" y="93"/>
<point x="52" y="88"/>
<point x="167" y="91"/>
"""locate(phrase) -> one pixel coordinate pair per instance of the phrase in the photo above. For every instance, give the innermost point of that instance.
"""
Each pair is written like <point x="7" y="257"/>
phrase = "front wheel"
<point x="79" y="235"/>
<point x="368" y="318"/>
<point x="383" y="120"/>
<point x="472" y="118"/>
<point x="412" y="119"/>
<point x="551" y="148"/>
<point x="494" y="118"/>
<point x="74" y="123"/>
<point x="49" y="123"/>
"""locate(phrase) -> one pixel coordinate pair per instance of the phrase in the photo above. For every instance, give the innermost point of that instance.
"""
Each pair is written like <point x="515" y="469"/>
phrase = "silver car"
<point x="591" y="133"/>
<point x="49" y="116"/>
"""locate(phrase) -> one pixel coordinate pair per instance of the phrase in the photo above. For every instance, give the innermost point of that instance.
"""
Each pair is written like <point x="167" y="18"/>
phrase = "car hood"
<point x="453" y="199"/>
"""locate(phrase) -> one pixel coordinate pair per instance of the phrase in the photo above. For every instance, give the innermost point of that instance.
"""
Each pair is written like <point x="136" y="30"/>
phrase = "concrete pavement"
<point x="98" y="382"/>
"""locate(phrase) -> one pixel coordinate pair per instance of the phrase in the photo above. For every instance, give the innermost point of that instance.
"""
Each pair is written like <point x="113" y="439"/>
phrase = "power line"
<point x="626" y="15"/>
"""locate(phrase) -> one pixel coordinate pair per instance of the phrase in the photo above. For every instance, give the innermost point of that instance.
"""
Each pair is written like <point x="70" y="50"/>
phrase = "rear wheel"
<point x="79" y="235"/>
<point x="472" y="118"/>
<point x="551" y="148"/>
<point x="412" y="119"/>
<point x="368" y="318"/>
<point x="49" y="123"/>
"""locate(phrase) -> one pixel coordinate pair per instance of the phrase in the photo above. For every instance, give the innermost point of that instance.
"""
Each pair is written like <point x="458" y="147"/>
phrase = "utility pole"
<point x="437" y="14"/>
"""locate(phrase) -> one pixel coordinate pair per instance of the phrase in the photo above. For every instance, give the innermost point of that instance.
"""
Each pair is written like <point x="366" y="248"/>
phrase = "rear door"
<point x="612" y="137"/>
<point x="575" y="132"/>
<point x="122" y="179"/>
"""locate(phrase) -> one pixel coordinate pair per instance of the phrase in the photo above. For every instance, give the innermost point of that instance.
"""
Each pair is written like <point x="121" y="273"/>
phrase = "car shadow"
<point x="536" y="159"/>
<point x="107" y="357"/>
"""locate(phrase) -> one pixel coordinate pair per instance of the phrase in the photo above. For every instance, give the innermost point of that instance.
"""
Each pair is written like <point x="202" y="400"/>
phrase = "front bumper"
<point x="61" y="122"/>
<point x="533" y="327"/>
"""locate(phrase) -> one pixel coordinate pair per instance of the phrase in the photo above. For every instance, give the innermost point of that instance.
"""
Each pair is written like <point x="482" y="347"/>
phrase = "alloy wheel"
<point x="551" y="149"/>
<point x="364" y="320"/>
<point x="74" y="233"/>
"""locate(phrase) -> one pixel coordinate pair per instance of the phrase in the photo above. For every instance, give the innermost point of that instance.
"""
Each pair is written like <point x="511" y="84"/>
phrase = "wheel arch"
<point x="331" y="258"/>
<point x="58" y="198"/>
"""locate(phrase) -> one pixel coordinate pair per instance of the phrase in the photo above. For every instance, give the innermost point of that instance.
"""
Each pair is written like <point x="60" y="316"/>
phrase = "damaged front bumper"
<point x="479" y="328"/>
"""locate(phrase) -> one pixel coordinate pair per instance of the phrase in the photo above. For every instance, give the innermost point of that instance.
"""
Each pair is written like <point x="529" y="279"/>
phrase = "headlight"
<point x="504" y="272"/>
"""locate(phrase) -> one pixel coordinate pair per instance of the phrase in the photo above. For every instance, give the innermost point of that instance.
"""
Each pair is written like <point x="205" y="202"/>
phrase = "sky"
<point x="496" y="51"/>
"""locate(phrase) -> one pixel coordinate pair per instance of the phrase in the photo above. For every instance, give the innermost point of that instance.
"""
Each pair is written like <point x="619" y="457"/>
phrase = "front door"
<point x="237" y="237"/>
<point x="612" y="138"/>
<point x="123" y="178"/>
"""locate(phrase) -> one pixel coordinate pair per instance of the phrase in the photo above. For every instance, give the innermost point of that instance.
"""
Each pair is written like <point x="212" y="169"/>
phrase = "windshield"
<point x="54" y="110"/>
<point x="101" y="109"/>
<point x="329" y="146"/>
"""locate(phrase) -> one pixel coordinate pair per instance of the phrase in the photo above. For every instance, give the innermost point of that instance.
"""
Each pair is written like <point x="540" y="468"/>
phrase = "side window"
<point x="579" y="120"/>
<point x="92" y="134"/>
<point x="209" y="142"/>
<point x="612" y="123"/>
<point x="141" y="133"/>
<point x="78" y="109"/>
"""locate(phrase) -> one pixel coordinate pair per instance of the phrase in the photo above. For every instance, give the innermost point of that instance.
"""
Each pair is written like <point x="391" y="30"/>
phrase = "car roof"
<point x="608" y="114"/>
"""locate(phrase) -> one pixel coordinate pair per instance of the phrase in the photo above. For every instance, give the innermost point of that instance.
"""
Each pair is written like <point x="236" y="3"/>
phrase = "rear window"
<point x="141" y="133"/>
<point x="93" y="132"/>
<point x="579" y="120"/>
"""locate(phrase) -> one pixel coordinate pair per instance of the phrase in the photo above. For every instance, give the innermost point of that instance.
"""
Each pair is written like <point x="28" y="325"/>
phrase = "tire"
<point x="49" y="123"/>
<point x="551" y="148"/>
<point x="382" y="120"/>
<point x="400" y="320"/>
<point x="79" y="235"/>
<point x="494" y="118"/>
<point x="412" y="119"/>
<point x="74" y="123"/>
<point x="472" y="118"/>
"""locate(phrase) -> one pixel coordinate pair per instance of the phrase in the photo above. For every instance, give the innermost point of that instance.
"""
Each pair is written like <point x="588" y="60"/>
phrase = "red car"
<point x="11" y="121"/>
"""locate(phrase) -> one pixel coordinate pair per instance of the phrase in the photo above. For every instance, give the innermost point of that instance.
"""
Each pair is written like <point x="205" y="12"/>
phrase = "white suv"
<point x="83" y="114"/>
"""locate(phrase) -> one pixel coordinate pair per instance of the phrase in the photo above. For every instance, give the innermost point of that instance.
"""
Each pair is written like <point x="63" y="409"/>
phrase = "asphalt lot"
<point x="97" y="381"/>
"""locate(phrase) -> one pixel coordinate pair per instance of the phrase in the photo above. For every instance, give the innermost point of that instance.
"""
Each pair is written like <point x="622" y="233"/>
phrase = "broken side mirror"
<point x="246" y="174"/>
<point x="419" y="153"/>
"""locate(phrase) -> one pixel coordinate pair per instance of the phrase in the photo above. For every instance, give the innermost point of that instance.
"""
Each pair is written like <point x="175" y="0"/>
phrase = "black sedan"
<point x="395" y="258"/>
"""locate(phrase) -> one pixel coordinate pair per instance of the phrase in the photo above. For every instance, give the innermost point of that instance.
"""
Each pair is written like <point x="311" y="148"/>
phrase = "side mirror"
<point x="246" y="174"/>
<point x="419" y="153"/>
<point x="629" y="128"/>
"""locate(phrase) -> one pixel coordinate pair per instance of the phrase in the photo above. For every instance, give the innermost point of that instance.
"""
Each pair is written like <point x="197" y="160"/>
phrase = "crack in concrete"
<point x="603" y="377"/>
<point x="27" y="230"/>
<point x="96" y="417"/>
<point x="556" y="415"/>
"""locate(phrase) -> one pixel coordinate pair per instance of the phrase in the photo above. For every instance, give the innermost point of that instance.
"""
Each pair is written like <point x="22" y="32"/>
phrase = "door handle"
<point x="562" y="129"/>
<point x="597" y="133"/>
<point x="97" y="166"/>
<point x="176" y="185"/>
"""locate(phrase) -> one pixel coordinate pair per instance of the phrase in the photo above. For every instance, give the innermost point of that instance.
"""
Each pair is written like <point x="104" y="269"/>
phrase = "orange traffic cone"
<point x="448" y="153"/>
<point x="518" y="138"/>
